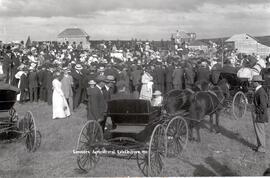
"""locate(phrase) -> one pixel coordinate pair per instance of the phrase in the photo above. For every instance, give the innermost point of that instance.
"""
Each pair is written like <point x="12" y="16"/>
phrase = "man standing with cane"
<point x="261" y="114"/>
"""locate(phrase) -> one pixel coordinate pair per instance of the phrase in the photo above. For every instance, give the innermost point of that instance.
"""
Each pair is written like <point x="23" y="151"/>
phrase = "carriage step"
<point x="128" y="129"/>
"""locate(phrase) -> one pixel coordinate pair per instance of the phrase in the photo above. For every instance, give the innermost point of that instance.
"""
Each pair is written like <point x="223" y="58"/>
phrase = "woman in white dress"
<point x="59" y="103"/>
<point x="147" y="86"/>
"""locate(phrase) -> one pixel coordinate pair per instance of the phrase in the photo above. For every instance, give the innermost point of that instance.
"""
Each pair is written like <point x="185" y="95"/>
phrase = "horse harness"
<point x="209" y="92"/>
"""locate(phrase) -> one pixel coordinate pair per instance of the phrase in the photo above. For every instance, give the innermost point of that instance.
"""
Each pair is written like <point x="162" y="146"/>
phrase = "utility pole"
<point x="222" y="50"/>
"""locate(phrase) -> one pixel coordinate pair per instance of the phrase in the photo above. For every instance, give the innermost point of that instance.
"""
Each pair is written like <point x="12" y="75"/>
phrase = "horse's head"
<point x="175" y="100"/>
<point x="224" y="87"/>
<point x="219" y="93"/>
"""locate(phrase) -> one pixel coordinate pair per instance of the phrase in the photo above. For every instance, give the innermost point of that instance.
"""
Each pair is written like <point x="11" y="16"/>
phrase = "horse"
<point x="205" y="103"/>
<point x="178" y="100"/>
<point x="246" y="72"/>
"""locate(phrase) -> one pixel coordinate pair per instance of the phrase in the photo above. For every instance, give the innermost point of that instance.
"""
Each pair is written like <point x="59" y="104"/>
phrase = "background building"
<point x="198" y="45"/>
<point x="74" y="35"/>
<point x="245" y="43"/>
<point x="182" y="37"/>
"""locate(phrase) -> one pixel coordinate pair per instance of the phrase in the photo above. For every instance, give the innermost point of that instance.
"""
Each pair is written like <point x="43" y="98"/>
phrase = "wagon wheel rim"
<point x="156" y="151"/>
<point x="90" y="134"/>
<point x="30" y="131"/>
<point x="176" y="136"/>
<point x="38" y="140"/>
<point x="239" y="105"/>
<point x="142" y="162"/>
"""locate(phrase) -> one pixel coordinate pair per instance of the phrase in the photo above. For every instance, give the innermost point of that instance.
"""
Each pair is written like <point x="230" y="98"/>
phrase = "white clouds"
<point x="125" y="19"/>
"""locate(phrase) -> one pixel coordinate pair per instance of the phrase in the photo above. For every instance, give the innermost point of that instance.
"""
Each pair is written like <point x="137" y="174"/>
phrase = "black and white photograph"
<point x="133" y="88"/>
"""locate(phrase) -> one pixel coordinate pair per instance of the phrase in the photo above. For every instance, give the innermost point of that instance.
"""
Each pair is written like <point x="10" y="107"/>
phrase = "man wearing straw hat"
<point x="92" y="91"/>
<point x="261" y="113"/>
<point x="67" y="83"/>
<point x="77" y="79"/>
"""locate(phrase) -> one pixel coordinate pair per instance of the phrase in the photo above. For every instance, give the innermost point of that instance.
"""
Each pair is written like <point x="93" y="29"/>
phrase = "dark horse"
<point x="205" y="103"/>
<point x="179" y="100"/>
<point x="197" y="102"/>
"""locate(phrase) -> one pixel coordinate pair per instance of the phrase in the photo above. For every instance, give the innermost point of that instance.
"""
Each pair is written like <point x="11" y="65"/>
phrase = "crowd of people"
<point x="65" y="75"/>
<point x="45" y="69"/>
<point x="34" y="71"/>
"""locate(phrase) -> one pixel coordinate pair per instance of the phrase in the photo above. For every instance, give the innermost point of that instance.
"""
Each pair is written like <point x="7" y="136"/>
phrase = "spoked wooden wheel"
<point x="28" y="127"/>
<point x="176" y="135"/>
<point x="142" y="162"/>
<point x="156" y="151"/>
<point x="90" y="135"/>
<point x="239" y="105"/>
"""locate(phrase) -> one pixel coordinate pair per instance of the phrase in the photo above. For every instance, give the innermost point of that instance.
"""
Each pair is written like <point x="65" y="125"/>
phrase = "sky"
<point x="127" y="19"/>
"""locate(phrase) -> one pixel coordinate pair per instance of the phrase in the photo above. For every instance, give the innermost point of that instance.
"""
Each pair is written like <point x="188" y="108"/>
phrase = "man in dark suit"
<point x="33" y="85"/>
<point x="77" y="79"/>
<point x="97" y="105"/>
<point x="7" y="64"/>
<point x="49" y="79"/>
<point x="203" y="73"/>
<point x="169" y="73"/>
<point x="24" y="86"/>
<point x="122" y="92"/>
<point x="178" y="76"/>
<point x="159" y="78"/>
<point x="260" y="103"/>
<point x="42" y="80"/>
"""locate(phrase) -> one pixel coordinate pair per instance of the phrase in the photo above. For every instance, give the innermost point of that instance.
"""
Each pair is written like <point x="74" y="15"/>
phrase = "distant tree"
<point x="28" y="43"/>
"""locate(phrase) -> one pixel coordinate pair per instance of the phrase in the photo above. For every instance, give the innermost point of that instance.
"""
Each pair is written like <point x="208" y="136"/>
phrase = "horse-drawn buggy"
<point x="241" y="90"/>
<point x="240" y="94"/>
<point x="11" y="126"/>
<point x="139" y="131"/>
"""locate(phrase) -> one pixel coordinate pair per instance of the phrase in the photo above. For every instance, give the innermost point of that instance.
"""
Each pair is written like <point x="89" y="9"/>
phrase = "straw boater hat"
<point x="78" y="67"/>
<point x="92" y="82"/>
<point x="101" y="69"/>
<point x="31" y="68"/>
<point x="110" y="78"/>
<point x="157" y="93"/>
<point x="257" y="78"/>
<point x="204" y="64"/>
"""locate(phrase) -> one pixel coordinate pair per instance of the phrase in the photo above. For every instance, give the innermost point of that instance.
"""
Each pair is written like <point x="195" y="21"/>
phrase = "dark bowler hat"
<point x="101" y="78"/>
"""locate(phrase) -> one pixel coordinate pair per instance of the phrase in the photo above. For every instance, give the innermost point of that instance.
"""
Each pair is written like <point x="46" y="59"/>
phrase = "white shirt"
<point x="258" y="87"/>
<point x="99" y="88"/>
<point x="107" y="88"/>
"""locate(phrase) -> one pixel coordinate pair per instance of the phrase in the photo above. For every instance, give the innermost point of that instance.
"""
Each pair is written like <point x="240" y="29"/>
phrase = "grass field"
<point x="226" y="154"/>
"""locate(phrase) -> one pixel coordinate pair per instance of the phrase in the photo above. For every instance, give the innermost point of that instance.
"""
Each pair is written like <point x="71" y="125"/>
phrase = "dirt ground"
<point x="226" y="154"/>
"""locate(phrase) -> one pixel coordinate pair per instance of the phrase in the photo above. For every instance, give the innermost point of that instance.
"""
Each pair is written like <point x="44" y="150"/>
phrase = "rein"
<point x="220" y="101"/>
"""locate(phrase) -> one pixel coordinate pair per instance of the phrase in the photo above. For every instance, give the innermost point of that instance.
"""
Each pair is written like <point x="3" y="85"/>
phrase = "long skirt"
<point x="60" y="106"/>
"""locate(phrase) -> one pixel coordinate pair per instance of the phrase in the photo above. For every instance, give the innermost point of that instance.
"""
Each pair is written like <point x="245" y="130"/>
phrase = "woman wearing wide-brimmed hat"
<point x="147" y="86"/>
<point x="59" y="103"/>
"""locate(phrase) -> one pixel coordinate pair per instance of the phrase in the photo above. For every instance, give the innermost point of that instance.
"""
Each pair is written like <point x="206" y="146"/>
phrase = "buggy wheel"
<point x="142" y="162"/>
<point x="239" y="105"/>
<point x="156" y="151"/>
<point x="27" y="125"/>
<point x="176" y="136"/>
<point x="90" y="135"/>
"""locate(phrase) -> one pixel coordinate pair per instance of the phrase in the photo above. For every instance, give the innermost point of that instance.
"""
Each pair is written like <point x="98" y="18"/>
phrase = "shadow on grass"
<point x="216" y="168"/>
<point x="235" y="136"/>
<point x="229" y="134"/>
<point x="200" y="170"/>
<point x="221" y="170"/>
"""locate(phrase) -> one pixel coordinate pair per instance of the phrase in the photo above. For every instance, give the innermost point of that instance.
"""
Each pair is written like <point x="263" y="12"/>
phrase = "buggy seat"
<point x="7" y="99"/>
<point x="131" y="115"/>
